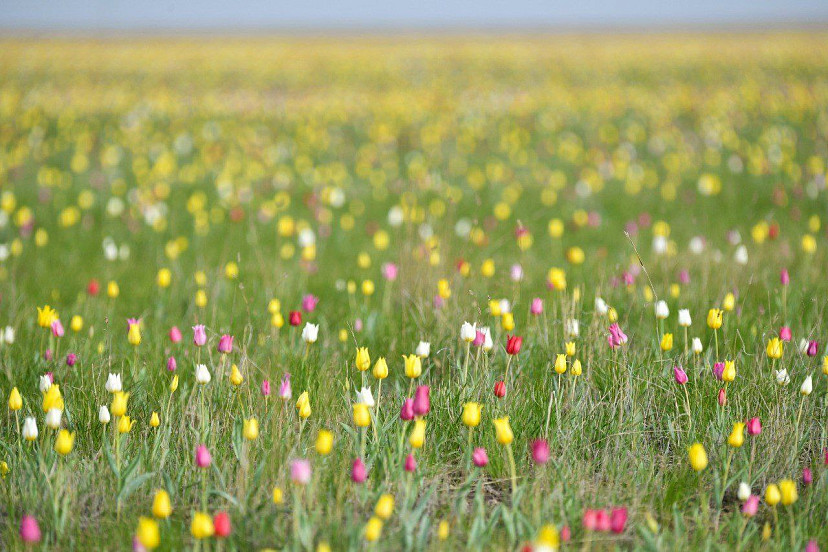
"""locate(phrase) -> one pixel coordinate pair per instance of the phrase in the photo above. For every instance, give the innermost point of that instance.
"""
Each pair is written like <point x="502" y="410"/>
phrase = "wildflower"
<point x="807" y="476"/>
<point x="45" y="316"/>
<point x="199" y="335"/>
<point x="423" y="350"/>
<point x="310" y="333"/>
<point x="754" y="426"/>
<point x="500" y="389"/>
<point x="119" y="403"/>
<point x="813" y="349"/>
<point x="548" y="538"/>
<point x="774" y="348"/>
<point x="147" y="533"/>
<point x="417" y="437"/>
<point x="363" y="359"/>
<point x="202" y="457"/>
<point x="15" y="400"/>
<point x="772" y="495"/>
<point x="45" y="382"/>
<point x="359" y="473"/>
<point x="737" y="435"/>
<point x="513" y="344"/>
<point x="225" y="344"/>
<point x="250" y="429"/>
<point x="202" y="374"/>
<point x="324" y="442"/>
<point x="125" y="424"/>
<point x="680" y="375"/>
<point x="303" y="405"/>
<point x="202" y="526"/>
<point x="278" y="495"/>
<point x="413" y="366"/>
<point x="410" y="464"/>
<point x="744" y="491"/>
<point x="366" y="397"/>
<point x="175" y="335"/>
<point x="569" y="348"/>
<point x="373" y="529"/>
<point x="751" y="505"/>
<point x="443" y="530"/>
<point x="384" y="507"/>
<point x="572" y="328"/>
<point x="236" y="377"/>
<point x="103" y="414"/>
<point x="729" y="372"/>
<point x="661" y="310"/>
<point x="540" y="451"/>
<point x="479" y="457"/>
<point x="407" y="410"/>
<point x="616" y="337"/>
<point x="285" y="391"/>
<point x="161" y="506"/>
<point x="697" y="346"/>
<point x="714" y="319"/>
<point x="666" y="342"/>
<point x="807" y="387"/>
<point x="618" y="520"/>
<point x="361" y="416"/>
<point x="113" y="383"/>
<point x="65" y="442"/>
<point x="467" y="332"/>
<point x="503" y="430"/>
<point x="309" y="302"/>
<point x="134" y="331"/>
<point x="698" y="457"/>
<point x="782" y="377"/>
<point x="536" y="307"/>
<point x="174" y="384"/>
<point x="422" y="403"/>
<point x="507" y="321"/>
<point x="29" y="529"/>
<point x="787" y="489"/>
<point x="295" y="318"/>
<point x="684" y="318"/>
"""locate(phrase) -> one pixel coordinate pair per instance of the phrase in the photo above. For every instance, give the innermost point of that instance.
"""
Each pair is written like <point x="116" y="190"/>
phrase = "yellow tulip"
<point x="125" y="424"/>
<point x="443" y="289"/>
<point x="569" y="347"/>
<point x="507" y="321"/>
<point x="362" y="418"/>
<point x="52" y="399"/>
<point x="15" y="400"/>
<point x="576" y="368"/>
<point x="278" y="495"/>
<point x="161" y="506"/>
<point x="373" y="529"/>
<point x="443" y="530"/>
<point x="787" y="489"/>
<point x="714" y="319"/>
<point x="155" y="421"/>
<point x="363" y="359"/>
<point x="76" y="323"/>
<point x="548" y="537"/>
<point x="557" y="277"/>
<point x="202" y="526"/>
<point x="729" y="302"/>
<point x="503" y="430"/>
<point x="384" y="507"/>
<point x="737" y="436"/>
<point x="471" y="414"/>
<point x="729" y="373"/>
<point x="324" y="442"/>
<point x="236" y="377"/>
<point x="775" y="348"/>
<point x="303" y="405"/>
<point x="174" y="384"/>
<point x="772" y="495"/>
<point x="163" y="278"/>
<point x="666" y="342"/>
<point x="45" y="316"/>
<point x="560" y="363"/>
<point x="413" y="366"/>
<point x="147" y="533"/>
<point x="65" y="442"/>
<point x="417" y="437"/>
<point x="698" y="457"/>
<point x="494" y="307"/>
<point x="251" y="429"/>
<point x="119" y="403"/>
<point x="380" y="369"/>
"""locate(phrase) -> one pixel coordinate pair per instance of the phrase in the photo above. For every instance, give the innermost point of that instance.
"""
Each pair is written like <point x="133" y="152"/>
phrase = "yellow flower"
<point x="413" y="366"/>
<point x="4" y="469"/>
<point x="174" y="384"/>
<point x="729" y="373"/>
<point x="575" y="255"/>
<point x="471" y="414"/>
<point x="76" y="323"/>
<point x="324" y="442"/>
<point x="231" y="270"/>
<point x="380" y="369"/>
<point x="787" y="488"/>
<point x="737" y="436"/>
<point x="65" y="442"/>
<point x="155" y="420"/>
<point x="373" y="529"/>
<point x="549" y="537"/>
<point x="52" y="399"/>
<point x="201" y="298"/>
<point x="557" y="277"/>
<point x="417" y="437"/>
<point x="487" y="269"/>
<point x="112" y="290"/>
<point x="576" y="368"/>
<point x="384" y="507"/>
<point x="443" y="530"/>
<point x="163" y="278"/>
<point x="507" y="321"/>
<point x="729" y="302"/>
<point x="698" y="457"/>
<point x="494" y="307"/>
<point x="612" y="315"/>
<point x="125" y="424"/>
<point x="147" y="533"/>
<point x="368" y="287"/>
<point x="775" y="348"/>
<point x="278" y="495"/>
<point x="503" y="430"/>
<point x="134" y="334"/>
<point x="766" y="532"/>
<point x="45" y="316"/>
<point x="119" y="403"/>
<point x="277" y="320"/>
<point x="570" y="348"/>
<point x="560" y="363"/>
<point x="825" y="365"/>
<point x="161" y="506"/>
<point x="666" y="342"/>
<point x="363" y="359"/>
<point x="714" y="319"/>
<point x="202" y="526"/>
<point x="303" y="405"/>
<point x="772" y="495"/>
<point x="443" y="289"/>
<point x="362" y="418"/>
<point x="251" y="429"/>
<point x="15" y="400"/>
<point x="236" y="377"/>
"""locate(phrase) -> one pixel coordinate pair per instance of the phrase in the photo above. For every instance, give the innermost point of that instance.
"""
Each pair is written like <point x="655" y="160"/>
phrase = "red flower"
<point x="295" y="318"/>
<point x="93" y="288"/>
<point x="221" y="522"/>
<point x="500" y="390"/>
<point x="513" y="344"/>
<point x="618" y="520"/>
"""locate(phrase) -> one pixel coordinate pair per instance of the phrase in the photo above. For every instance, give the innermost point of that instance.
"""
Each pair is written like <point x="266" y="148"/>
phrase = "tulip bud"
<point x="202" y="457"/>
<point x="359" y="473"/>
<point x="479" y="457"/>
<point x="410" y="463"/>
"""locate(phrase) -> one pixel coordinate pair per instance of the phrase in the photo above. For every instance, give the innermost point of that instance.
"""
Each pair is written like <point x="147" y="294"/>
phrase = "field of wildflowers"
<point x="414" y="293"/>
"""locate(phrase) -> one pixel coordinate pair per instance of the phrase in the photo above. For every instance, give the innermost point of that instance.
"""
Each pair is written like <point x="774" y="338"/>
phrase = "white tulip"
<point x="601" y="306"/>
<point x="423" y="349"/>
<point x="488" y="344"/>
<point x="468" y="332"/>
<point x="310" y="333"/>
<point x="697" y="346"/>
<point x="684" y="318"/>
<point x="53" y="417"/>
<point x="741" y="255"/>
<point x="113" y="383"/>
<point x="202" y="374"/>
<point x="782" y="377"/>
<point x="696" y="245"/>
<point x="803" y="346"/>
<point x="744" y="491"/>
<point x="103" y="415"/>
<point x="366" y="397"/>
<point x="572" y="328"/>
<point x="8" y="335"/>
<point x="662" y="311"/>
<point x="29" y="429"/>
<point x="659" y="245"/>
<point x="45" y="383"/>
<point x="505" y="306"/>
<point x="807" y="386"/>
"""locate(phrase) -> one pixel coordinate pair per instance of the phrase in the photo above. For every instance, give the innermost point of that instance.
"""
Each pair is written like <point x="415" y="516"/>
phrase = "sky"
<point x="345" y="14"/>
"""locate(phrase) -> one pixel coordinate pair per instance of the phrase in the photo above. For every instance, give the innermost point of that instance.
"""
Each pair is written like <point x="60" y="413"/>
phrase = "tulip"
<point x="417" y="437"/>
<point x="53" y="418"/>
<point x="569" y="348"/>
<point x="500" y="389"/>
<point x="422" y="404"/>
<point x="714" y="319"/>
<point x="175" y="335"/>
<point x="147" y="533"/>
<point x="71" y="359"/>
<point x="366" y="397"/>
<point x="471" y="414"/>
<point x="754" y="426"/>
<point x="225" y="344"/>
<point x="423" y="350"/>
<point x="359" y="473"/>
<point x="679" y="375"/>
<point x="788" y="492"/>
<point x="199" y="335"/>
<point x="134" y="331"/>
<point x="602" y="521"/>
<point x="202" y="374"/>
<point x="161" y="506"/>
<point x="751" y="506"/>
<point x="309" y="302"/>
<point x="616" y="338"/>
<point x="540" y="451"/>
<point x="310" y="333"/>
<point x="503" y="430"/>
<point x="407" y="410"/>
<point x="52" y="399"/>
<point x="300" y="472"/>
<point x="171" y="364"/>
<point x="363" y="359"/>
<point x="661" y="310"/>
<point x="174" y="384"/>
<point x="324" y="442"/>
<point x="513" y="344"/>
<point x="507" y="321"/>
<point x="373" y="529"/>
<point x="729" y="372"/>
<point x="589" y="519"/>
<point x="812" y="546"/>
<point x="58" y="331"/>
<point x="722" y="397"/>
<point x="65" y="442"/>
<point x="536" y="307"/>
<point x="202" y="526"/>
<point x="772" y="495"/>
<point x="29" y="529"/>
<point x="278" y="496"/>
<point x="560" y="364"/>
<point x="807" y="476"/>
<point x="295" y="318"/>
<point x="572" y="328"/>
<point x="698" y="457"/>
<point x="479" y="457"/>
<point x="782" y="377"/>
<point x="618" y="520"/>
<point x="718" y="370"/>
<point x="410" y="464"/>
<point x="221" y="523"/>
<point x="15" y="400"/>
<point x="413" y="366"/>
<point x="467" y="332"/>
<point x="236" y="377"/>
<point x="774" y="349"/>
<point x="251" y="429"/>
<point x="813" y="349"/>
<point x="202" y="457"/>
<point x="362" y="418"/>
<point x="697" y="346"/>
<point x="384" y="507"/>
<point x="666" y="342"/>
<point x="119" y="403"/>
<point x="285" y="391"/>
<point x="380" y="370"/>
<point x="737" y="435"/>
<point x="389" y="271"/>
<point x="744" y="491"/>
<point x="807" y="387"/>
<point x="125" y="424"/>
<point x="784" y="335"/>
<point x="103" y="414"/>
<point x="576" y="369"/>
<point x="684" y="319"/>
<point x="303" y="405"/>
<point x="113" y="383"/>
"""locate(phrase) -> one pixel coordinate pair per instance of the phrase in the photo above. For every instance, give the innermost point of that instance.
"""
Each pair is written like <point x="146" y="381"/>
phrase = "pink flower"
<point x="718" y="370"/>
<point x="589" y="520"/>
<point x="754" y="426"/>
<point x="722" y="398"/>
<point x="358" y="325"/>
<point x="537" y="306"/>
<point x="225" y="344"/>
<point x="807" y="476"/>
<point x="199" y="335"/>
<point x="540" y="451"/>
<point x="479" y="338"/>
<point x="57" y="328"/>
<point x="422" y="404"/>
<point x="684" y="277"/>
<point x="358" y="471"/>
<point x="285" y="391"/>
<point x="784" y="277"/>
<point x="309" y="302"/>
<point x="407" y="410"/>
<point x="813" y="349"/>
<point x="410" y="463"/>
<point x="812" y="546"/>
<point x="175" y="334"/>
<point x="202" y="457"/>
<point x="389" y="271"/>
<point x="171" y="364"/>
<point x="300" y="471"/>
<point x="29" y="530"/>
<point x="479" y="457"/>
<point x="785" y="333"/>
<point x="680" y="375"/>
<point x="751" y="506"/>
<point x="265" y="388"/>
<point x="47" y="355"/>
<point x="438" y="302"/>
<point x="618" y="520"/>
<point x="602" y="521"/>
<point x="566" y="533"/>
<point x="71" y="359"/>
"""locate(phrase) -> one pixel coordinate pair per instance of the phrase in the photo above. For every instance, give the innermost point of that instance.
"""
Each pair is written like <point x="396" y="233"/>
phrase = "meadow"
<point x="485" y="292"/>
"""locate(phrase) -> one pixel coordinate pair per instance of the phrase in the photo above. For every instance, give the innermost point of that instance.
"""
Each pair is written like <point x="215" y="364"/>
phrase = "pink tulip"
<point x="71" y="359"/>
<point x="812" y="546"/>
<point x="536" y="307"/>
<point x="813" y="349"/>
<point x="807" y="476"/>
<point x="722" y="398"/>
<point x="422" y="404"/>
<point x="285" y="391"/>
<point x="175" y="334"/>
<point x="479" y="338"/>
<point x="618" y="520"/>
<point x="479" y="457"/>
<point x="589" y="520"/>
<point x="389" y="271"/>
<point x="300" y="471"/>
<point x="540" y="451"/>
<point x="718" y="370"/>
<point x="266" y="388"/>
<point x="751" y="506"/>
<point x="309" y="302"/>
<point x="199" y="335"/>
<point x="171" y="364"/>
<point x="754" y="426"/>
<point x="602" y="521"/>
<point x="680" y="375"/>
<point x="358" y="471"/>
<point x="29" y="530"/>
<point x="566" y="533"/>
<point x="684" y="277"/>
<point x="616" y="336"/>
<point x="47" y="355"/>
<point x="407" y="410"/>
<point x="225" y="344"/>
<point x="784" y="277"/>
<point x="57" y="328"/>
<point x="785" y="333"/>
<point x="410" y="463"/>
<point x="202" y="457"/>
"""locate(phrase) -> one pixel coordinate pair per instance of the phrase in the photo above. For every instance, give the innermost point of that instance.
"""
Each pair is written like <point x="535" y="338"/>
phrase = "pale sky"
<point x="299" y="14"/>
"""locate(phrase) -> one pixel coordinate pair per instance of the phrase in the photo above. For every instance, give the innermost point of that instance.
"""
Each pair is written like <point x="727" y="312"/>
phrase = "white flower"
<point x="45" y="383"/>
<point x="306" y="238"/>
<point x="202" y="374"/>
<point x="364" y="396"/>
<point x="659" y="245"/>
<point x="110" y="249"/>
<point x="684" y="318"/>
<point x="662" y="311"/>
<point x="782" y="377"/>
<point x="53" y="417"/>
<point x="488" y="344"/>
<point x="113" y="383"/>
<point x="697" y="346"/>
<point x="395" y="216"/>
<point x="807" y="386"/>
<point x="601" y="306"/>
<point x="741" y="255"/>
<point x="467" y="332"/>
<point x="29" y="429"/>
<point x="697" y="245"/>
<point x="103" y="415"/>
<point x="505" y="306"/>
<point x="8" y="335"/>
<point x="803" y="346"/>
<point x="423" y="349"/>
<point x="744" y="491"/>
<point x="572" y="327"/>
<point x="516" y="273"/>
<point x="310" y="332"/>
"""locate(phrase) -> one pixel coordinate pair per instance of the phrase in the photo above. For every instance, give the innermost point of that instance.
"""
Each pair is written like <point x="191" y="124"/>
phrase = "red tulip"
<point x="618" y="520"/>
<point x="295" y="318"/>
<point x="513" y="344"/>
<point x="500" y="391"/>
<point x="221" y="522"/>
